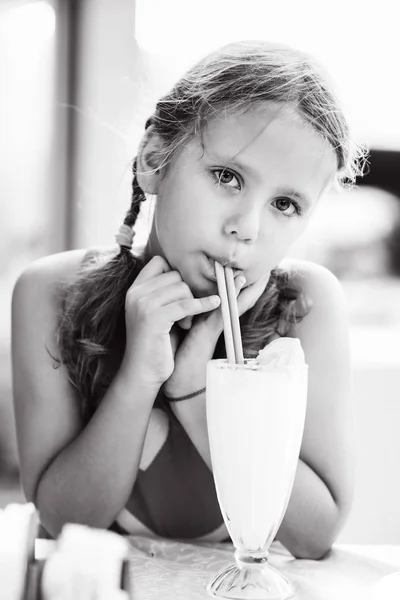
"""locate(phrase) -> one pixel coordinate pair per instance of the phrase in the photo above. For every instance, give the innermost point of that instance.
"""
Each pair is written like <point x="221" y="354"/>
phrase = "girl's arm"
<point x="322" y="492"/>
<point x="323" y="489"/>
<point x="71" y="474"/>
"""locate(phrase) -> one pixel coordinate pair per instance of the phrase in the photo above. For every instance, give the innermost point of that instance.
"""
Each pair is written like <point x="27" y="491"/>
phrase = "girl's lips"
<point x="210" y="267"/>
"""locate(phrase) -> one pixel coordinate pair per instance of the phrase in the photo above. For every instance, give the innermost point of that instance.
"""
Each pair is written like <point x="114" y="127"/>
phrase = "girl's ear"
<point x="148" y="169"/>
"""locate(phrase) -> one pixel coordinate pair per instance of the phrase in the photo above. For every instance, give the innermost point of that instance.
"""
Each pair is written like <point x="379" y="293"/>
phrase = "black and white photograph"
<point x="199" y="307"/>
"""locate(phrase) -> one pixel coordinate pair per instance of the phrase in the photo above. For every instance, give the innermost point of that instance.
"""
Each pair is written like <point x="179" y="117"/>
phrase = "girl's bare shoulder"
<point x="309" y="277"/>
<point x="55" y="272"/>
<point x="321" y="291"/>
<point x="59" y="268"/>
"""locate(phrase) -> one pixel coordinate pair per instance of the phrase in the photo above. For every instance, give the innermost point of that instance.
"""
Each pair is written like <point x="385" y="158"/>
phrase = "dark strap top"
<point x="175" y="496"/>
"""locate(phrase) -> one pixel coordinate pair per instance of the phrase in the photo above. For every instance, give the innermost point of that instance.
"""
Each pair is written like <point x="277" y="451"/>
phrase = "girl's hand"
<point x="154" y="302"/>
<point x="199" y="344"/>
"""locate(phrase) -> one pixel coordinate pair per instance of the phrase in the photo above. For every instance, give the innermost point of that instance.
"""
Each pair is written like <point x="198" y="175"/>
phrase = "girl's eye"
<point x="226" y="178"/>
<point x="287" y="206"/>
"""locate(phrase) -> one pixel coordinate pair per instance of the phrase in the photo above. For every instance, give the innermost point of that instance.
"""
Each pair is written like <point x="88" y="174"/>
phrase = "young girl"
<point x="110" y="347"/>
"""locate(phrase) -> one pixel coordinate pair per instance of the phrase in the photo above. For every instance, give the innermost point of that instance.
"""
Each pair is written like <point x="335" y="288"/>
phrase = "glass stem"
<point x="251" y="559"/>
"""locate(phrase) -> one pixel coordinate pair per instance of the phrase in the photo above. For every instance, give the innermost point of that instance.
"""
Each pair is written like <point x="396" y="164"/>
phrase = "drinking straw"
<point x="234" y="314"/>
<point x="226" y="318"/>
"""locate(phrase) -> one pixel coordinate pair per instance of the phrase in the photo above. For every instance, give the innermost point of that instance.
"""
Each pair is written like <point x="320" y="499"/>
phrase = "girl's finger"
<point x="240" y="281"/>
<point x="145" y="288"/>
<point x="249" y="296"/>
<point x="156" y="266"/>
<point x="166" y="295"/>
<point x="174" y="337"/>
<point x="185" y="323"/>
<point x="190" y="307"/>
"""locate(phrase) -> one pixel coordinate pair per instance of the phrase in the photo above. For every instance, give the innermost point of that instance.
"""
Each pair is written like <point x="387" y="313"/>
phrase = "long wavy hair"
<point x="235" y="78"/>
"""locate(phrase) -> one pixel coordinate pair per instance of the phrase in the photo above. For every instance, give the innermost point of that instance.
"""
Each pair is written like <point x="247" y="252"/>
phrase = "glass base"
<point x="260" y="582"/>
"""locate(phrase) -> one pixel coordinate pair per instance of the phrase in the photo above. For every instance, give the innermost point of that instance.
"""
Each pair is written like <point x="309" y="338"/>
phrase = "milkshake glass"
<point x="255" y="419"/>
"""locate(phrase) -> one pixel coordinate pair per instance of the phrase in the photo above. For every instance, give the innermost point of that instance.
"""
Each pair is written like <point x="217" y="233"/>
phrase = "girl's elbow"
<point x="320" y="541"/>
<point x="54" y="521"/>
<point x="312" y="550"/>
<point x="318" y="545"/>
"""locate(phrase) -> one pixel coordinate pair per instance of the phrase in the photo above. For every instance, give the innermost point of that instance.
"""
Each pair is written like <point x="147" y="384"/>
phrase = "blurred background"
<point x="78" y="79"/>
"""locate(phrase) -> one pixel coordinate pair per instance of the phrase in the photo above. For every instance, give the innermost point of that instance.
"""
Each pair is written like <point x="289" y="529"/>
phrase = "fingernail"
<point x="241" y="281"/>
<point x="215" y="300"/>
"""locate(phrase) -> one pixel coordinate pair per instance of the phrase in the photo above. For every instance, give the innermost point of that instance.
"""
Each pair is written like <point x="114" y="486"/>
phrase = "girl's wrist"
<point x="198" y="392"/>
<point x="131" y="393"/>
<point x="129" y="376"/>
<point x="213" y="330"/>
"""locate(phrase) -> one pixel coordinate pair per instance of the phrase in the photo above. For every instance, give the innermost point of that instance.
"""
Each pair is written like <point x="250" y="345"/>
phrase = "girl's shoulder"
<point x="54" y="271"/>
<point x="58" y="271"/>
<point x="311" y="279"/>
<point x="47" y="279"/>
<point x="322" y="295"/>
<point x="296" y="290"/>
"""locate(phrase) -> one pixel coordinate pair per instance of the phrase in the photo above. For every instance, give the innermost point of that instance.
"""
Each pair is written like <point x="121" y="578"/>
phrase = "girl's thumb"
<point x="185" y="323"/>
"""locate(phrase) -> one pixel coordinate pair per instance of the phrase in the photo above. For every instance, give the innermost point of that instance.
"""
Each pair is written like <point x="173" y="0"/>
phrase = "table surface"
<point x="162" y="569"/>
<point x="168" y="570"/>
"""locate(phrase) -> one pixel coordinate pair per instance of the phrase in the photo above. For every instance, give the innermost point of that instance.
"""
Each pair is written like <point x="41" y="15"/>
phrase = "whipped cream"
<point x="282" y="352"/>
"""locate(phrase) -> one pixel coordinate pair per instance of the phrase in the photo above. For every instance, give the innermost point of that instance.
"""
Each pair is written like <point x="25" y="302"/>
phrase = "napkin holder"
<point x="25" y="555"/>
<point x="34" y="572"/>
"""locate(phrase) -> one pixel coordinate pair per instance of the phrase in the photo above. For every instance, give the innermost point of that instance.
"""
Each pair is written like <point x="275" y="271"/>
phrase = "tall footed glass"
<point x="255" y="419"/>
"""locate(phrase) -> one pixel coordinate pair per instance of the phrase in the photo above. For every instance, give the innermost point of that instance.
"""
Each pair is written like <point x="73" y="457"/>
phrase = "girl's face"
<point x="242" y="198"/>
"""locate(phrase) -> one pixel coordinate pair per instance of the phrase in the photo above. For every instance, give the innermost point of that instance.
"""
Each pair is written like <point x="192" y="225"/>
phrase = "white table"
<point x="168" y="570"/>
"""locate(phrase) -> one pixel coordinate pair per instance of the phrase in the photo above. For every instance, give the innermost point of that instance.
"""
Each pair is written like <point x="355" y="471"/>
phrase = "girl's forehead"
<point x="262" y="129"/>
<point x="244" y="127"/>
<point x="269" y="138"/>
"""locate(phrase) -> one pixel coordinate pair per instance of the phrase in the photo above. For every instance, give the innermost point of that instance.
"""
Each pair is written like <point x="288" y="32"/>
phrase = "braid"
<point x="138" y="196"/>
<point x="125" y="235"/>
<point x="136" y="199"/>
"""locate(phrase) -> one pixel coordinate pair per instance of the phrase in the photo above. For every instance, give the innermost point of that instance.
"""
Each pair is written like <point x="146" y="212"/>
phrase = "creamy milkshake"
<point x="255" y="417"/>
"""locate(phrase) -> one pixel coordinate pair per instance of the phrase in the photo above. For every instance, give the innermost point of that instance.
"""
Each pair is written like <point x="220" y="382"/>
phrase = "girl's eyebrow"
<point x="234" y="162"/>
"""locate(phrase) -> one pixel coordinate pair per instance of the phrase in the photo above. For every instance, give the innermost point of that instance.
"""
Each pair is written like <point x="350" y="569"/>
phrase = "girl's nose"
<point x="244" y="225"/>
